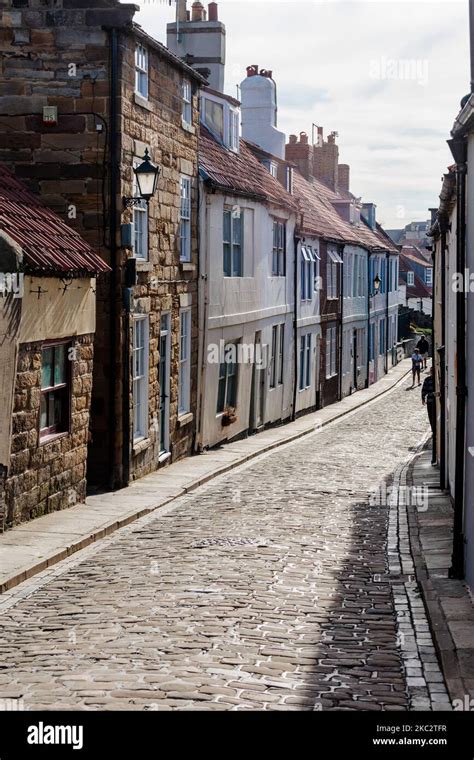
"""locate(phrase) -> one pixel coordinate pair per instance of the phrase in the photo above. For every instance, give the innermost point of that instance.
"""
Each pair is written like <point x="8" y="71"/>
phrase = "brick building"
<point x="47" y="324"/>
<point x="85" y="92"/>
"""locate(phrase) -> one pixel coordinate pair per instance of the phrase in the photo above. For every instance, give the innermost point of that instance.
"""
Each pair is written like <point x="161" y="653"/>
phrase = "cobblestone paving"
<point x="267" y="588"/>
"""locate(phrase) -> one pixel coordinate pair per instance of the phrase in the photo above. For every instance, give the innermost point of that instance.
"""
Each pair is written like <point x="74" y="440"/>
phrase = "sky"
<point x="387" y="76"/>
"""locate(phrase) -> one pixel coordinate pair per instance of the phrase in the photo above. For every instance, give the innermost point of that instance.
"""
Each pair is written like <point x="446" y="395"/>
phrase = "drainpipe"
<point x="442" y="356"/>
<point x="297" y="240"/>
<point x="367" y="383"/>
<point x="457" y="567"/>
<point x="113" y="255"/>
<point x="341" y="303"/>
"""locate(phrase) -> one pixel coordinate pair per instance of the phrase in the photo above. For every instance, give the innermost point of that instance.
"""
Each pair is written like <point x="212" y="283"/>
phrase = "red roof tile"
<point x="240" y="173"/>
<point x="49" y="245"/>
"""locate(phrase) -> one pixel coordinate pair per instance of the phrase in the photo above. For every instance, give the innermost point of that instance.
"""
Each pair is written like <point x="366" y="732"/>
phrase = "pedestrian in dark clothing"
<point x="428" y="398"/>
<point x="423" y="347"/>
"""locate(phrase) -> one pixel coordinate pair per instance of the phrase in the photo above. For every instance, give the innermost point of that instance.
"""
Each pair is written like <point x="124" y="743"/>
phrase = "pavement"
<point x="284" y="583"/>
<point x="31" y="547"/>
<point x="447" y="601"/>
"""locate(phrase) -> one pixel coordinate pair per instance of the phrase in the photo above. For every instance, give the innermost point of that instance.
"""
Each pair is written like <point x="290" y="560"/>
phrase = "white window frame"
<point x="273" y="357"/>
<point x="333" y="260"/>
<point x="141" y="71"/>
<point x="279" y="250"/>
<point x="307" y="274"/>
<point x="185" y="218"/>
<point x="140" y="367"/>
<point x="233" y="347"/>
<point x="429" y="277"/>
<point x="187" y="113"/>
<point x="140" y="220"/>
<point x="410" y="278"/>
<point x="184" y="383"/>
<point x="233" y="130"/>
<point x="281" y="353"/>
<point x="236" y="248"/>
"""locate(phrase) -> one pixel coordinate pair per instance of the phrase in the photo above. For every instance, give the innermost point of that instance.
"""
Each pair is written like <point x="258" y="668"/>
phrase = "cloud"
<point x="324" y="55"/>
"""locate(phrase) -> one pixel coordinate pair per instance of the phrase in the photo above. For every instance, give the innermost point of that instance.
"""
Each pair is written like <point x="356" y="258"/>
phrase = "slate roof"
<point x="49" y="245"/>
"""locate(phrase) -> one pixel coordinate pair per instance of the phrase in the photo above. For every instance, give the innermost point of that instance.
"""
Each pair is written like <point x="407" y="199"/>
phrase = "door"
<point x="164" y="379"/>
<point x="258" y="383"/>
<point x="355" y="360"/>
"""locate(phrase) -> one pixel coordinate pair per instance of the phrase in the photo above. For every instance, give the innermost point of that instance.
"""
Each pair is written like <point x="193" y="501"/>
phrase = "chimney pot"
<point x="303" y="138"/>
<point x="197" y="11"/>
<point x="213" y="13"/>
<point x="293" y="139"/>
<point x="252" y="71"/>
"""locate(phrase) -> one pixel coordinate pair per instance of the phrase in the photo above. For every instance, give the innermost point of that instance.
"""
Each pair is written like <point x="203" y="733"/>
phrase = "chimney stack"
<point x="343" y="177"/>
<point x="199" y="40"/>
<point x="259" y="111"/>
<point x="300" y="152"/>
<point x="326" y="160"/>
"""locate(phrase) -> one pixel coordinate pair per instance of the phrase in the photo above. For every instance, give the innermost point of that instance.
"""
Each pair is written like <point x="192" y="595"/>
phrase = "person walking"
<point x="416" y="363"/>
<point x="428" y="399"/>
<point x="423" y="347"/>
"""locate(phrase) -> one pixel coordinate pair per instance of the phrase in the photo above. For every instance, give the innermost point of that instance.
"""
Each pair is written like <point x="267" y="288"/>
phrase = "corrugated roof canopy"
<point x="49" y="245"/>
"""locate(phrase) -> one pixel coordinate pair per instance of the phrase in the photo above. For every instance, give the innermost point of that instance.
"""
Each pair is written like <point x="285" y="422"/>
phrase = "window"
<point x="234" y="131"/>
<point x="187" y="102"/>
<point x="333" y="259"/>
<point x="232" y="241"/>
<point x="429" y="276"/>
<point x="279" y="247"/>
<point x="185" y="220"/>
<point x="305" y="361"/>
<point x="306" y="275"/>
<point x="140" y="377"/>
<point x="184" y="361"/>
<point x="140" y="221"/>
<point x="55" y="390"/>
<point x="227" y="389"/>
<point x="331" y="351"/>
<point x="410" y="278"/>
<point x="214" y="117"/>
<point x="141" y="71"/>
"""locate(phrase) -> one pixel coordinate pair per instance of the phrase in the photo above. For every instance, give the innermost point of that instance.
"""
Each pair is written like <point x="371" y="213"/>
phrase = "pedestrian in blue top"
<point x="416" y="365"/>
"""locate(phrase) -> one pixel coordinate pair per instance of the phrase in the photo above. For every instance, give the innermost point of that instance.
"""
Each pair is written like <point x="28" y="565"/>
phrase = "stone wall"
<point x="56" y="53"/>
<point x="45" y="477"/>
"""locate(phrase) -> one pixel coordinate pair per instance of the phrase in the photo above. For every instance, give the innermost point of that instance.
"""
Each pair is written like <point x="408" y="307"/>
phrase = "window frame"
<point x="429" y="277"/>
<point x="185" y="217"/>
<point x="141" y="70"/>
<point x="235" y="251"/>
<point x="51" y="432"/>
<point x="140" y="432"/>
<point x="225" y="377"/>
<point x="184" y="372"/>
<point x="410" y="278"/>
<point x="331" y="351"/>
<point x="187" y="102"/>
<point x="140" y="212"/>
<point x="278" y="248"/>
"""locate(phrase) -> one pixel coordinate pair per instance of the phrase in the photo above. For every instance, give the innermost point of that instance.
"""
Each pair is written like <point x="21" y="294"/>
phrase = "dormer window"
<point x="410" y="278"/>
<point x="141" y="71"/>
<point x="222" y="120"/>
<point x="214" y="117"/>
<point x="272" y="166"/>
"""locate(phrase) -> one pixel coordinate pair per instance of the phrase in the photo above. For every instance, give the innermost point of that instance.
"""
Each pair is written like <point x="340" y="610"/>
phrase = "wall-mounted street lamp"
<point x="377" y="282"/>
<point x="147" y="178"/>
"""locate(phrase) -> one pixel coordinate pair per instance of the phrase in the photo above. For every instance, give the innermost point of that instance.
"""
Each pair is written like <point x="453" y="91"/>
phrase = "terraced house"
<point x="88" y="98"/>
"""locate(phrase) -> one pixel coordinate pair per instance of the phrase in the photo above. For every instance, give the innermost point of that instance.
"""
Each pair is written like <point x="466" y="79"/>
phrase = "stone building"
<point x="47" y="325"/>
<point x="85" y="92"/>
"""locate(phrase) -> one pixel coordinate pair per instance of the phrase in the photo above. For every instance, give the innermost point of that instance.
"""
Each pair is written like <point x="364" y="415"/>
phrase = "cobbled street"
<point x="267" y="588"/>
